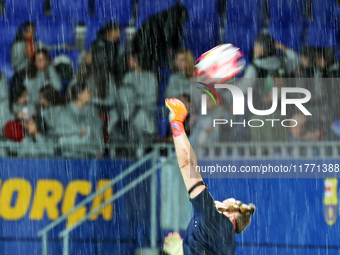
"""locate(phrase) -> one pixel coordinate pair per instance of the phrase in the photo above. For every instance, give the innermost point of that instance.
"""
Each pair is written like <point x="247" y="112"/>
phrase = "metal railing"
<point x="272" y="150"/>
<point x="154" y="157"/>
<point x="43" y="233"/>
<point x="244" y="150"/>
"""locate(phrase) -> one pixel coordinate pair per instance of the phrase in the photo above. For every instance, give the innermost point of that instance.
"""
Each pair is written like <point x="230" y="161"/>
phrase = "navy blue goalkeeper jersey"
<point x="209" y="231"/>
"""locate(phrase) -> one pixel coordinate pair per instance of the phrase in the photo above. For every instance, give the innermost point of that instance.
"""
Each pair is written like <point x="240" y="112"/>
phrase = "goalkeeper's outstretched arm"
<point x="186" y="157"/>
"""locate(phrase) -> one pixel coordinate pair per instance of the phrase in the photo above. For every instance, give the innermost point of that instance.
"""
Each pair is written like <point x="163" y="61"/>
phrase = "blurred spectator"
<point x="327" y="64"/>
<point x="99" y="81"/>
<point x="18" y="103"/>
<point x="328" y="67"/>
<point x="35" y="143"/>
<point x="203" y="131"/>
<point x="306" y="129"/>
<point x="40" y="73"/>
<point x="137" y="105"/>
<point x="182" y="74"/>
<point x="264" y="101"/>
<point x="79" y="125"/>
<point x="25" y="44"/>
<point x="307" y="62"/>
<point x="52" y="105"/>
<point x="107" y="51"/>
<point x="265" y="61"/>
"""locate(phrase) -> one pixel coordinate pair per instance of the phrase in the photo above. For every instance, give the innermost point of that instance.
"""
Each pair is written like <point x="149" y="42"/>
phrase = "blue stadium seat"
<point x="55" y="32"/>
<point x="114" y="10"/>
<point x="147" y="8"/>
<point x="77" y="10"/>
<point x="201" y="37"/>
<point x="285" y="10"/>
<point x="286" y="33"/>
<point x="242" y="36"/>
<point x="286" y="19"/>
<point x="325" y="11"/>
<point x="323" y="35"/>
<point x="27" y="9"/>
<point x="201" y="32"/>
<point x="8" y="31"/>
<point x="200" y="10"/>
<point x="5" y="63"/>
<point x="243" y="11"/>
<point x="91" y="33"/>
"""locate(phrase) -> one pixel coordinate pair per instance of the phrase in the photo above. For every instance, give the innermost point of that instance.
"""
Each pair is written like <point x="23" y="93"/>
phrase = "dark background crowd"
<point x="113" y="91"/>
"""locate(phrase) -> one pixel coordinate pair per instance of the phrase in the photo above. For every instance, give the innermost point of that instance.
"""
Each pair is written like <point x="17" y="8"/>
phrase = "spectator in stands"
<point x="182" y="74"/>
<point x="107" y="51"/>
<point x="204" y="132"/>
<point x="79" y="125"/>
<point x="264" y="100"/>
<point x="18" y="103"/>
<point x="40" y="73"/>
<point x="35" y="143"/>
<point x="52" y="105"/>
<point x="307" y="62"/>
<point x="329" y="67"/>
<point x="100" y="82"/>
<point x="306" y="130"/>
<point x="25" y="44"/>
<point x="327" y="64"/>
<point x="266" y="61"/>
<point x="137" y="105"/>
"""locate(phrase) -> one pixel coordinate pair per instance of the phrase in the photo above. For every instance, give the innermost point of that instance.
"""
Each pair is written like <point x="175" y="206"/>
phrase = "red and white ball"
<point x="219" y="64"/>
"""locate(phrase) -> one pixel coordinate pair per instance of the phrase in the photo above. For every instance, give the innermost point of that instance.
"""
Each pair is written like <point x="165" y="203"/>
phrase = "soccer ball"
<point x="219" y="64"/>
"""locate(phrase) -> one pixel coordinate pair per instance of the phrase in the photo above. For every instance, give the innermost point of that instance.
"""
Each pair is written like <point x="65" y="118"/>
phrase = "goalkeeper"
<point x="214" y="224"/>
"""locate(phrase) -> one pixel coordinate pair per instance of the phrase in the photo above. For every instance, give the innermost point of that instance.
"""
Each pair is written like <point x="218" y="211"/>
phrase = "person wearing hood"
<point x="79" y="126"/>
<point x="107" y="51"/>
<point x="265" y="61"/>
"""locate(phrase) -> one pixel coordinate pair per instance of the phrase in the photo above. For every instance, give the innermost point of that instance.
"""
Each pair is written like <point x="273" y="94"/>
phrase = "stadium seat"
<point x="23" y="10"/>
<point x="243" y="36"/>
<point x="201" y="10"/>
<point x="325" y="12"/>
<point x="288" y="34"/>
<point x="201" y="37"/>
<point x="114" y="10"/>
<point x="91" y="32"/>
<point x="285" y="10"/>
<point x="244" y="23"/>
<point x="201" y="32"/>
<point x="8" y="31"/>
<point x="246" y="11"/>
<point x="286" y="22"/>
<point x="147" y="8"/>
<point x="55" y="32"/>
<point x="5" y="63"/>
<point x="323" y="35"/>
<point x="77" y="10"/>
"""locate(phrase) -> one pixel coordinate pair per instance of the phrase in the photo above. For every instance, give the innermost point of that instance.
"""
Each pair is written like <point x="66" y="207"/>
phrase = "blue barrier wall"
<point x="118" y="232"/>
<point x="289" y="218"/>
